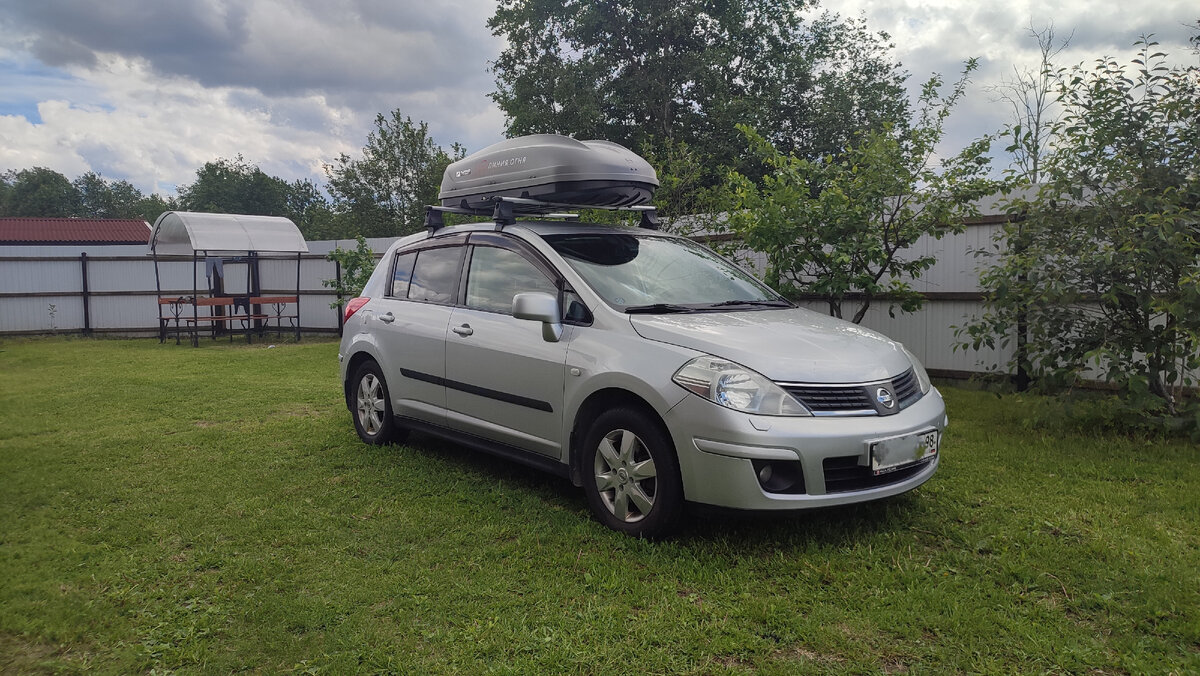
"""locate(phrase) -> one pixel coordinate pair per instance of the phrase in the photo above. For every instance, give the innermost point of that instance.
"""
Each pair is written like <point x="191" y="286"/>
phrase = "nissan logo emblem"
<point x="884" y="397"/>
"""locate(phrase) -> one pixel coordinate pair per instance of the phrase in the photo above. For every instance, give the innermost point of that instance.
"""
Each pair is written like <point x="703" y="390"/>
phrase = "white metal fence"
<point x="111" y="289"/>
<point x="952" y="295"/>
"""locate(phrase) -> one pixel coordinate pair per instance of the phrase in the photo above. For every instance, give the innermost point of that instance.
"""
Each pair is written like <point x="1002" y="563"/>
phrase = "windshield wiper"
<point x="756" y="303"/>
<point x="658" y="309"/>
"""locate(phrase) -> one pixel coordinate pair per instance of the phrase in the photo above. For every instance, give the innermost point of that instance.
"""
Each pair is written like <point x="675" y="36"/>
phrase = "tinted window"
<point x="435" y="275"/>
<point x="403" y="274"/>
<point x="496" y="275"/>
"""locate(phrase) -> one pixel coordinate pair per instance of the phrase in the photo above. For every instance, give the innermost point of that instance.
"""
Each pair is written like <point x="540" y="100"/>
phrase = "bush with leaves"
<point x="357" y="264"/>
<point x="841" y="228"/>
<point x="1102" y="258"/>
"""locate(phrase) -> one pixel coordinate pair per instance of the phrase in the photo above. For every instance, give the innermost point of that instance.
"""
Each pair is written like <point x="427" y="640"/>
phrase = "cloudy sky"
<point x="150" y="91"/>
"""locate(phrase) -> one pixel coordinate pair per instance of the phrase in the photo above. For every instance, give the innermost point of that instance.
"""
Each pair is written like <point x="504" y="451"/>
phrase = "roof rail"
<point x="505" y="211"/>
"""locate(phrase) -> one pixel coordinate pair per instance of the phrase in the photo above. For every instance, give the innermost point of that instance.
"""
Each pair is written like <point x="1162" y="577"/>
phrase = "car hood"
<point x="788" y="345"/>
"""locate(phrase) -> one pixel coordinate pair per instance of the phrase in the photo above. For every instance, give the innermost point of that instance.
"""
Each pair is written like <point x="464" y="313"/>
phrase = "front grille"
<point x="906" y="388"/>
<point x="831" y="398"/>
<point x="844" y="474"/>
<point x="856" y="399"/>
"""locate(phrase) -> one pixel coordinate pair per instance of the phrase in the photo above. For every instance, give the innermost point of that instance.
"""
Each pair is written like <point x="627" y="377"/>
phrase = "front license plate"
<point x="888" y="455"/>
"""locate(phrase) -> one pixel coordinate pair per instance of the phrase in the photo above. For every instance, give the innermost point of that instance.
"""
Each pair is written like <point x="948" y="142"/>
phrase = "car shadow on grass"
<point x="822" y="526"/>
<point x="491" y="468"/>
<point x="702" y="526"/>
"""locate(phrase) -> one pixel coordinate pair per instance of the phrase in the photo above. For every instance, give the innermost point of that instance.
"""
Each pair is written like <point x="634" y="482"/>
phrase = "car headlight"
<point x="922" y="376"/>
<point x="737" y="387"/>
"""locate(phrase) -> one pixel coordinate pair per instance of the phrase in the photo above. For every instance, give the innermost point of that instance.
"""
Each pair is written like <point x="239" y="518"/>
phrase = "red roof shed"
<point x="34" y="231"/>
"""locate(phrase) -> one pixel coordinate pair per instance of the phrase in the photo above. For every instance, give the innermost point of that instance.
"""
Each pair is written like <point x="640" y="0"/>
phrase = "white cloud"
<point x="156" y="131"/>
<point x="150" y="92"/>
<point x="938" y="36"/>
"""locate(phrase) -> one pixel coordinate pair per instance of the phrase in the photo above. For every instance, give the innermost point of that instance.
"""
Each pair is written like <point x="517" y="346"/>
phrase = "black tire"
<point x="631" y="474"/>
<point x="371" y="407"/>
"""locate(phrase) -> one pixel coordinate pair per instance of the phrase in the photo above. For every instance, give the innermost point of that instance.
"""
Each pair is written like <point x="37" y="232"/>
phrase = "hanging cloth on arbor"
<point x="214" y="264"/>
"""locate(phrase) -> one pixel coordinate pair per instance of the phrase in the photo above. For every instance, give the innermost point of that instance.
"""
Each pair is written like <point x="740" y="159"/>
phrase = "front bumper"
<point x="717" y="448"/>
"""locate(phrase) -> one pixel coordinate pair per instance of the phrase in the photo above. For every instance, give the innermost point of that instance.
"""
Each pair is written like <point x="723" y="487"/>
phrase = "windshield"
<point x="640" y="273"/>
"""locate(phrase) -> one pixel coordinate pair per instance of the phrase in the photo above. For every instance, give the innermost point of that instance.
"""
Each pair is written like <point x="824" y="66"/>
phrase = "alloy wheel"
<point x="625" y="476"/>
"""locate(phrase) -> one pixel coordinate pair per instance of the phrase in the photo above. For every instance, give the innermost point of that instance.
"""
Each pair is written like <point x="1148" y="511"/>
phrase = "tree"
<point x="662" y="72"/>
<point x="841" y="228"/>
<point x="310" y="210"/>
<point x="684" y="204"/>
<point x="856" y="88"/>
<point x="355" y="266"/>
<point x="1030" y="94"/>
<point x="1106" y="271"/>
<point x="101" y="198"/>
<point x="1032" y="123"/>
<point x="6" y="185"/>
<point x="384" y="193"/>
<point x="235" y="186"/>
<point x="153" y="205"/>
<point x="42" y="192"/>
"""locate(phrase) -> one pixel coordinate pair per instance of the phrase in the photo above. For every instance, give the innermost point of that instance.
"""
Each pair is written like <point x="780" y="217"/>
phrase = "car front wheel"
<point x="631" y="474"/>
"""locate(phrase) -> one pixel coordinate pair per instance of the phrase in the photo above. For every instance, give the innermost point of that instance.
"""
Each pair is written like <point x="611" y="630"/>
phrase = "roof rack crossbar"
<point x="505" y="211"/>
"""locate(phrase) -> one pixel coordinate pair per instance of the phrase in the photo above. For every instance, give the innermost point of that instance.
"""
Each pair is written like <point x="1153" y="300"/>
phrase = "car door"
<point x="503" y="381"/>
<point x="411" y="326"/>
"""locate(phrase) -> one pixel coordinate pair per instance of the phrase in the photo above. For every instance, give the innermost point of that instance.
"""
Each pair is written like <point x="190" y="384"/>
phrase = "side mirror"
<point x="540" y="307"/>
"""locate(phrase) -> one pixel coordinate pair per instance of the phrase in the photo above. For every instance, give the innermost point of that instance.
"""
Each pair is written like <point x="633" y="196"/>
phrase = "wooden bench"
<point x="218" y="318"/>
<point x="280" y="311"/>
<point x="225" y="320"/>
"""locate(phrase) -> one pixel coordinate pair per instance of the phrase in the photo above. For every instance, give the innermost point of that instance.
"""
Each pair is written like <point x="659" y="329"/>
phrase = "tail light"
<point x="353" y="305"/>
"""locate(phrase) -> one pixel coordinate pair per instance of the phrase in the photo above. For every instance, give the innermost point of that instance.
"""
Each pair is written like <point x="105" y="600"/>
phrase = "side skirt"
<point x="519" y="455"/>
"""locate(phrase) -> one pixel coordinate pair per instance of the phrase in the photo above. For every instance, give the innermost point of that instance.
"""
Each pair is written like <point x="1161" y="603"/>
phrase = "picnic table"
<point x="226" y="314"/>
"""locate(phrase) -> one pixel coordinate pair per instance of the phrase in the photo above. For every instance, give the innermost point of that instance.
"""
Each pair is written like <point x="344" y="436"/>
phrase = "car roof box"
<point x="558" y="170"/>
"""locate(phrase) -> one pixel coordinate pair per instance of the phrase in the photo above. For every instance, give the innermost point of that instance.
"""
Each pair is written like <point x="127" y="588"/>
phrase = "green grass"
<point x="210" y="510"/>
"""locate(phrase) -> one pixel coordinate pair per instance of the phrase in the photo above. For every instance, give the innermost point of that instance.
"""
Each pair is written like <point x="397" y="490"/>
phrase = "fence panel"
<point x="42" y="288"/>
<point x="121" y="292"/>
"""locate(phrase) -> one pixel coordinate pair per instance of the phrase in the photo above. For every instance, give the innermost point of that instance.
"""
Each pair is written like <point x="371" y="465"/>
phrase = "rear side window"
<point x="434" y="275"/>
<point x="403" y="274"/>
<point x="496" y="275"/>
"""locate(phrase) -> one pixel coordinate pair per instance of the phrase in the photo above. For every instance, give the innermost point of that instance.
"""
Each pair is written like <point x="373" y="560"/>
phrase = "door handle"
<point x="388" y="318"/>
<point x="464" y="330"/>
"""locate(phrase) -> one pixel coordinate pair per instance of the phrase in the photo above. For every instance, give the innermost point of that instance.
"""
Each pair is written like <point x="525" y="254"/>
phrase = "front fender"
<point x="600" y="361"/>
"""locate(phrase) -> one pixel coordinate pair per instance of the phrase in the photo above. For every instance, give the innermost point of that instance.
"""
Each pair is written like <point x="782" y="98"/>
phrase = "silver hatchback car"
<point x="640" y="365"/>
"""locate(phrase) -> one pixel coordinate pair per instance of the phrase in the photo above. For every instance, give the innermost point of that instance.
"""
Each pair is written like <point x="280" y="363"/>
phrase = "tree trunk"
<point x="835" y="308"/>
<point x="862" y="311"/>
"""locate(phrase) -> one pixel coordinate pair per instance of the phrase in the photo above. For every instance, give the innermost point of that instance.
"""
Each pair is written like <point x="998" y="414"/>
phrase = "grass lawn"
<point x="210" y="510"/>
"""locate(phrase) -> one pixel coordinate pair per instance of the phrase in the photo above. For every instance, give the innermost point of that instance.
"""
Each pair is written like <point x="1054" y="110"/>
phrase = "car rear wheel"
<point x="631" y="474"/>
<point x="373" y="407"/>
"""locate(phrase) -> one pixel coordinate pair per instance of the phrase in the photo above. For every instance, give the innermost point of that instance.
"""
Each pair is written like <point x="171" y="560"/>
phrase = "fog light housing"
<point x="765" y="474"/>
<point x="780" y="476"/>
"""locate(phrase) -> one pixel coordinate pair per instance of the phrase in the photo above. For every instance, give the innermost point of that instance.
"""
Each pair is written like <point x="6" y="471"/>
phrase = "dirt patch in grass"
<point x="800" y="653"/>
<point x="20" y="655"/>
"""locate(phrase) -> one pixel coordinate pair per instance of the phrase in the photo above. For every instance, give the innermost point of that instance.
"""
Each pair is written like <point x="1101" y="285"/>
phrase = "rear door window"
<point x="435" y="275"/>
